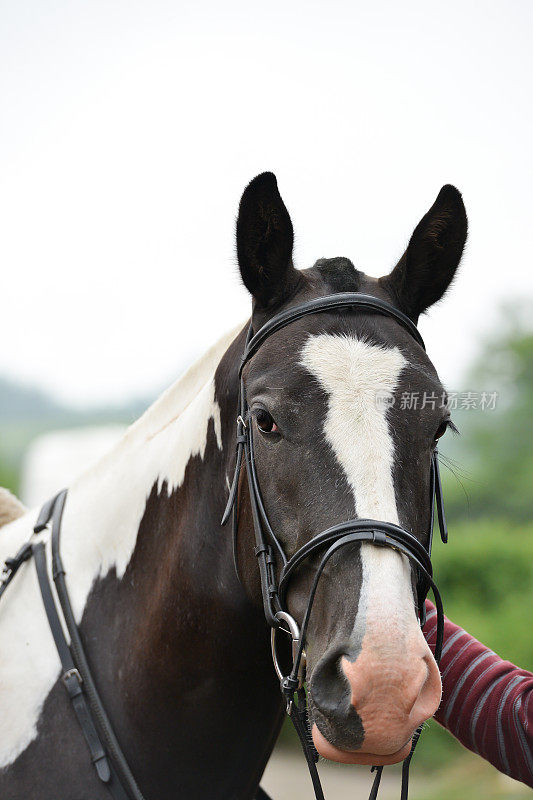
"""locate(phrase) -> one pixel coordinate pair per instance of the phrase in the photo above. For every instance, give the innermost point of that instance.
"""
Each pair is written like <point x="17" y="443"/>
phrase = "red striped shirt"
<point x="487" y="703"/>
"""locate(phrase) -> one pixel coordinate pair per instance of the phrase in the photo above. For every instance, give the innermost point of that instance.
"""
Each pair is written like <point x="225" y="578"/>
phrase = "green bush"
<point x="485" y="574"/>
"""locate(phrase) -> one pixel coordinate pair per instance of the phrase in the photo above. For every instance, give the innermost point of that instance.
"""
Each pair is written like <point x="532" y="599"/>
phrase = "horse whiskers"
<point x="458" y="472"/>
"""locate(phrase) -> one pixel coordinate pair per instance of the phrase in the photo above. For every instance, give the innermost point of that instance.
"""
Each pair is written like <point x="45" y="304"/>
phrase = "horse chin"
<point x="332" y="753"/>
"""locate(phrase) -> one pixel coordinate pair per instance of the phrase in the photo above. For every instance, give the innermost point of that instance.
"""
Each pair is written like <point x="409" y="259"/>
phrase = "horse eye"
<point x="265" y="422"/>
<point x="441" y="430"/>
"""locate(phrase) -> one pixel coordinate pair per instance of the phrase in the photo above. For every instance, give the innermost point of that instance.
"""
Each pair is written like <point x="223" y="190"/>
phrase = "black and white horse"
<point x="178" y="644"/>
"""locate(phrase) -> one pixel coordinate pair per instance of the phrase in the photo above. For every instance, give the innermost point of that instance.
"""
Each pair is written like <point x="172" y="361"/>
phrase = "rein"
<point x="270" y="553"/>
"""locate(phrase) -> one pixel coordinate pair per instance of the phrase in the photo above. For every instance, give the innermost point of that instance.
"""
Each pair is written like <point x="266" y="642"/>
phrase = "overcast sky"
<point x="129" y="129"/>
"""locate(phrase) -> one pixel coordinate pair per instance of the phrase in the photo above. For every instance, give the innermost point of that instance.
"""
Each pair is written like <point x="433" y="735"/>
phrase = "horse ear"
<point x="428" y="266"/>
<point x="264" y="242"/>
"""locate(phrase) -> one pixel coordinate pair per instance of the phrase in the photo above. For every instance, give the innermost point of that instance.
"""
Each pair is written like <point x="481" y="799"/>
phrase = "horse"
<point x="170" y="610"/>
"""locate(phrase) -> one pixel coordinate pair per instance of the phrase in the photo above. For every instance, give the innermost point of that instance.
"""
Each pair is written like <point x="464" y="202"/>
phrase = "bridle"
<point x="270" y="553"/>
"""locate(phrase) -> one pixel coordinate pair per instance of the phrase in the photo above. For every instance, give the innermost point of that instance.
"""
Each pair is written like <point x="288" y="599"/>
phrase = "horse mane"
<point x="171" y="404"/>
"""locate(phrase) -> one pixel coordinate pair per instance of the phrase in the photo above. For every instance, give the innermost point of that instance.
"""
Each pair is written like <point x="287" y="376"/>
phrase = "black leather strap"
<point x="12" y="566"/>
<point x="375" y="532"/>
<point x="45" y="514"/>
<point x="70" y="677"/>
<point x="439" y="499"/>
<point x="377" y="780"/>
<point x="300" y="720"/>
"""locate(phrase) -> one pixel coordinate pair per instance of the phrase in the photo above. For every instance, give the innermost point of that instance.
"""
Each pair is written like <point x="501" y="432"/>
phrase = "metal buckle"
<point x="71" y="673"/>
<point x="241" y="422"/>
<point x="294" y="632"/>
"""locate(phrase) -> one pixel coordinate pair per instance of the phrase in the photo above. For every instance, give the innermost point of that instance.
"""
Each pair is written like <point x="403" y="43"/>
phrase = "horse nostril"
<point x="329" y="702"/>
<point x="329" y="688"/>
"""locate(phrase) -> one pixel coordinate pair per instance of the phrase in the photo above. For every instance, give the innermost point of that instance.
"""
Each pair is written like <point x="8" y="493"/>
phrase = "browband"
<point x="330" y="302"/>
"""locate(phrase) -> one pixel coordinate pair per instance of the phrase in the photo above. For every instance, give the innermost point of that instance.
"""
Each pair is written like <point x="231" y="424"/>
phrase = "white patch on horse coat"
<point x="354" y="374"/>
<point x="102" y="515"/>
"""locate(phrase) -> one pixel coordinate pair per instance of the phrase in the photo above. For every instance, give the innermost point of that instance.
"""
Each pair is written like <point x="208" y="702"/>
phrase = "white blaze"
<point x="355" y="374"/>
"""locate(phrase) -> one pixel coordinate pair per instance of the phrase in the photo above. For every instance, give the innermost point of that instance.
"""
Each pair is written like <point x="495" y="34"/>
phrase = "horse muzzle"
<point x="366" y="710"/>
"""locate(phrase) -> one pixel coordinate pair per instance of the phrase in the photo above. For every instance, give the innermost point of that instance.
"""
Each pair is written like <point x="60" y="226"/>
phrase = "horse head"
<point x="346" y="409"/>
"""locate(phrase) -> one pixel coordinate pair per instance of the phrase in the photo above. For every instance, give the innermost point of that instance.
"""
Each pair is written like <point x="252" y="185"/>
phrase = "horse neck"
<point x="144" y="531"/>
<point x="104" y="521"/>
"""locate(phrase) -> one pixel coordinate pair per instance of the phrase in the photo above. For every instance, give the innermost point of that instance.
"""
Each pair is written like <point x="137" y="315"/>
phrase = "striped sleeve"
<point x="487" y="703"/>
